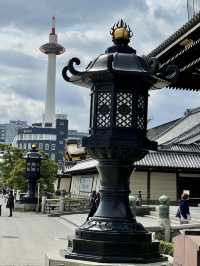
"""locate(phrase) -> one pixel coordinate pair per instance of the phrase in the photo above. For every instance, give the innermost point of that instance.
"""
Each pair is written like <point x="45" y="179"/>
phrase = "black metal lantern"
<point x="119" y="81"/>
<point x="33" y="162"/>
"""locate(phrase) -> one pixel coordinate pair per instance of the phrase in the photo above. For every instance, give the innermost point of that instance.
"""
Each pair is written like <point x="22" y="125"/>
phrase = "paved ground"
<point x="151" y="220"/>
<point x="26" y="237"/>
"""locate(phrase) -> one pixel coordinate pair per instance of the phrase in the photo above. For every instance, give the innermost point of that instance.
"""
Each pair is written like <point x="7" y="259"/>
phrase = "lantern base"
<point x="114" y="242"/>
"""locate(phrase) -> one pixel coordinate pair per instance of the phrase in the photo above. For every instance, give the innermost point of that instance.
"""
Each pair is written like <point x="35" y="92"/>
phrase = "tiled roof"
<point x="170" y="160"/>
<point x="155" y="132"/>
<point x="83" y="165"/>
<point x="185" y="28"/>
<point x="188" y="137"/>
<point x="184" y="125"/>
<point x="176" y="156"/>
<point x="181" y="49"/>
<point x="192" y="148"/>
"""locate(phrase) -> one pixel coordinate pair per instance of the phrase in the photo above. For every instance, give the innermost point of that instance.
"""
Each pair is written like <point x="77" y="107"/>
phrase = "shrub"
<point x="166" y="248"/>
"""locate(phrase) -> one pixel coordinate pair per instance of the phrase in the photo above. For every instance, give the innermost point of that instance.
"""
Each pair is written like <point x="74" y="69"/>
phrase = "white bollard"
<point x="62" y="201"/>
<point x="44" y="198"/>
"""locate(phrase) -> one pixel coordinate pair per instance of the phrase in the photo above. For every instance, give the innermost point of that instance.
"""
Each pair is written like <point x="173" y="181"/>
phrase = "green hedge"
<point x="166" y="248"/>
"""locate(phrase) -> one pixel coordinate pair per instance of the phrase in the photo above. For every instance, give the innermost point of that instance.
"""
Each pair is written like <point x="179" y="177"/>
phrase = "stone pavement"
<point x="149" y="220"/>
<point x="25" y="238"/>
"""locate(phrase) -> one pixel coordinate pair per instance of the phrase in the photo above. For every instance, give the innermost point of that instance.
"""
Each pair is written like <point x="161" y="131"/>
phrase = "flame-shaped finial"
<point x="121" y="31"/>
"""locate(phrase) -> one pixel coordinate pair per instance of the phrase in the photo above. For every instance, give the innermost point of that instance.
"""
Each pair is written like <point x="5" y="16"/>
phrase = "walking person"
<point x="92" y="204"/>
<point x="10" y="202"/>
<point x="97" y="200"/>
<point x="183" y="212"/>
<point x="1" y="202"/>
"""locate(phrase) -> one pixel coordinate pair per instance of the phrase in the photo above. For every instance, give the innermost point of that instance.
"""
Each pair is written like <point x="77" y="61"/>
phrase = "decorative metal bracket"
<point x="71" y="69"/>
<point x="170" y="73"/>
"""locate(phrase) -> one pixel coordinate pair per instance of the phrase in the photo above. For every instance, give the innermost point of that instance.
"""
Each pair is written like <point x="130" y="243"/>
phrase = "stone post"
<point x="132" y="204"/>
<point x="62" y="201"/>
<point x="164" y="219"/>
<point x="44" y="198"/>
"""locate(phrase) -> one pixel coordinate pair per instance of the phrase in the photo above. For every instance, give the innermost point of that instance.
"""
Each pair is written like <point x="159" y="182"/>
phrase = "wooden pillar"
<point x="177" y="186"/>
<point x="148" y="185"/>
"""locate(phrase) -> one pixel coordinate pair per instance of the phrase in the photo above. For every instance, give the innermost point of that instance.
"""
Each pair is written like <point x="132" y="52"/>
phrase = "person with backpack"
<point x="183" y="212"/>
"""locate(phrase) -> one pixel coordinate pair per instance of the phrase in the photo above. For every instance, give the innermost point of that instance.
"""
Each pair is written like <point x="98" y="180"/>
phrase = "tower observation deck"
<point x="52" y="48"/>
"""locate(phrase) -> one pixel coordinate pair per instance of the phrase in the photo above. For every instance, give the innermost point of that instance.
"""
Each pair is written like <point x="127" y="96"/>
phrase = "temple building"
<point x="170" y="170"/>
<point x="175" y="166"/>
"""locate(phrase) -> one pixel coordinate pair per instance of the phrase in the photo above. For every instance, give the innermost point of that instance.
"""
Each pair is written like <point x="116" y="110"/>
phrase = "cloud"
<point x="83" y="29"/>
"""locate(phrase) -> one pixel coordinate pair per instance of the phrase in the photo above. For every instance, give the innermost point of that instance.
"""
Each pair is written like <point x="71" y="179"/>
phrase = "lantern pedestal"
<point x="57" y="259"/>
<point x="113" y="234"/>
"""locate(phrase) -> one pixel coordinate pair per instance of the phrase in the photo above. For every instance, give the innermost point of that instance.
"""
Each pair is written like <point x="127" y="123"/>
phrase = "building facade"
<point x="49" y="139"/>
<point x="170" y="171"/>
<point x="8" y="131"/>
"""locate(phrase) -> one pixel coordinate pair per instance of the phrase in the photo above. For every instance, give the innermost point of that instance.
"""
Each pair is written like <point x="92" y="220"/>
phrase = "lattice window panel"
<point x="141" y="102"/>
<point x="124" y="109"/>
<point x="103" y="111"/>
<point x="141" y="122"/>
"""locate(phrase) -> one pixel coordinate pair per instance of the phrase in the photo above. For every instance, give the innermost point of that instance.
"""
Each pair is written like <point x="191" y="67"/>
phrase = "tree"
<point x="12" y="167"/>
<point x="49" y="169"/>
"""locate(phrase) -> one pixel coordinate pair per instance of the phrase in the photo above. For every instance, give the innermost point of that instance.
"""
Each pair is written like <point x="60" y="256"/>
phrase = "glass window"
<point x="62" y="132"/>
<point x="53" y="156"/>
<point x="60" y="141"/>
<point x="29" y="146"/>
<point x="53" y="147"/>
<point x="24" y="146"/>
<point x="40" y="146"/>
<point x="20" y="145"/>
<point x="46" y="146"/>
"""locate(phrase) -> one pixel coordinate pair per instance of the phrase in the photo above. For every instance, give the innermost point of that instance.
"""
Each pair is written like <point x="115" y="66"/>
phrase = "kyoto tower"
<point x="52" y="48"/>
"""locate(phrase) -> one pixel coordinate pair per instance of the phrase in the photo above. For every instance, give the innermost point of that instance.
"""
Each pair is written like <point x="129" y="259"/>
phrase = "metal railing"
<point x="70" y="205"/>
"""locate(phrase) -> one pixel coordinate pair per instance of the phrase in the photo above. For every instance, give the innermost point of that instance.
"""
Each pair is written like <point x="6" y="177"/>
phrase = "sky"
<point x="83" y="29"/>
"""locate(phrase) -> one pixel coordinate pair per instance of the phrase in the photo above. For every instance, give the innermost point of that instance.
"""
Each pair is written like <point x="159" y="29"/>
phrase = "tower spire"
<point x="53" y="28"/>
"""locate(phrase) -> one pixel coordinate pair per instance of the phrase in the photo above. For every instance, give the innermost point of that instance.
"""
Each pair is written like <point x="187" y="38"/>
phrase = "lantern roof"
<point x="120" y="59"/>
<point x="102" y="67"/>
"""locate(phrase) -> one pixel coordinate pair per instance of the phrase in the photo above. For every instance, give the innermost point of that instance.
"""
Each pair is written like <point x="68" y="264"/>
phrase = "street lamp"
<point x="119" y="81"/>
<point x="33" y="162"/>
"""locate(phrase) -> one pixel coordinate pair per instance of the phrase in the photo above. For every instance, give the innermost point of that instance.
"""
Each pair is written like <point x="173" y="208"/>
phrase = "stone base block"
<point x="58" y="259"/>
<point x="25" y="207"/>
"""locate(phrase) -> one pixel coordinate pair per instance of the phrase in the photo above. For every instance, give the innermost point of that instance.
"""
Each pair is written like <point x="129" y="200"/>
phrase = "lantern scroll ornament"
<point x="119" y="81"/>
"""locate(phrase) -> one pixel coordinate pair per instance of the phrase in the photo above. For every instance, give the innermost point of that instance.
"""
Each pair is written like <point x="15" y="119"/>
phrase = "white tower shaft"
<point x="51" y="49"/>
<point x="49" y="116"/>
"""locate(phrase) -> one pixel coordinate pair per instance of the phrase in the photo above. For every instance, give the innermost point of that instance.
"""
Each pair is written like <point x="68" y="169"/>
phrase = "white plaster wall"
<point x="162" y="183"/>
<point x="138" y="181"/>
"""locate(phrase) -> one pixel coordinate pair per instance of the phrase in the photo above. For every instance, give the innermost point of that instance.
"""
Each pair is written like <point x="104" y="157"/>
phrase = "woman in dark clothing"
<point x="92" y="204"/>
<point x="97" y="200"/>
<point x="10" y="202"/>
<point x="183" y="212"/>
